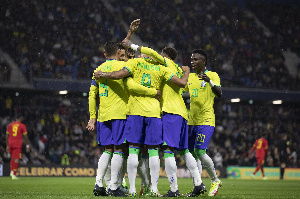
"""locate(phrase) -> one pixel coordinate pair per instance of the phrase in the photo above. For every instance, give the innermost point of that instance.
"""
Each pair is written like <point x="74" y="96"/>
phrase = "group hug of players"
<point x="141" y="109"/>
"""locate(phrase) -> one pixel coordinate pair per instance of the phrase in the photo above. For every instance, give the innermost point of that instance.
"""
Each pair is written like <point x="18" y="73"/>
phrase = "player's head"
<point x="19" y="117"/>
<point x="263" y="134"/>
<point x="169" y="52"/>
<point x="198" y="60"/>
<point x="111" y="48"/>
<point x="121" y="53"/>
<point x="130" y="53"/>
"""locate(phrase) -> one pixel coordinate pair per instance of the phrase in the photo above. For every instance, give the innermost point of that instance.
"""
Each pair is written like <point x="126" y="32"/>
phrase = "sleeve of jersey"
<point x="216" y="79"/>
<point x="24" y="130"/>
<point x="168" y="74"/>
<point x="140" y="89"/>
<point x="153" y="54"/>
<point x="130" y="64"/>
<point x="185" y="89"/>
<point x="92" y="99"/>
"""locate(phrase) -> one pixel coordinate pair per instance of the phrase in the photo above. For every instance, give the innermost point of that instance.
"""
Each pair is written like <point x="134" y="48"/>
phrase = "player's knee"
<point x="183" y="152"/>
<point x="200" y="152"/>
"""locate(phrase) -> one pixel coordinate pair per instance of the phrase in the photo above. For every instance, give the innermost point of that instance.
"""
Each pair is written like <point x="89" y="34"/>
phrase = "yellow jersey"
<point x="202" y="99"/>
<point x="172" y="101"/>
<point x="148" y="73"/>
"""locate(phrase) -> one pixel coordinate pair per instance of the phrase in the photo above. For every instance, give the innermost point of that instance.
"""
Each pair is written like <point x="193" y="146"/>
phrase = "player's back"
<point x="261" y="146"/>
<point x="112" y="93"/>
<point x="16" y="130"/>
<point x="150" y="74"/>
<point x="172" y="101"/>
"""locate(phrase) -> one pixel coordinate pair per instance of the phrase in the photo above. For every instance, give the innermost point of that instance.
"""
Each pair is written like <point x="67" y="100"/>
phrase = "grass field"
<point x="81" y="187"/>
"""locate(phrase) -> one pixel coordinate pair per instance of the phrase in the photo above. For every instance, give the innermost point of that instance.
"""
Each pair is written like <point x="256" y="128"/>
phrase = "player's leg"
<point x="104" y="137"/>
<point x="143" y="171"/>
<point x="153" y="138"/>
<point x="191" y="147"/>
<point x="171" y="136"/>
<point x="117" y="160"/>
<point x="199" y="187"/>
<point x="282" y="159"/>
<point x="107" y="176"/>
<point x="204" y="133"/>
<point x="134" y="135"/>
<point x="15" y="157"/>
<point x="258" y="165"/>
<point x="121" y="179"/>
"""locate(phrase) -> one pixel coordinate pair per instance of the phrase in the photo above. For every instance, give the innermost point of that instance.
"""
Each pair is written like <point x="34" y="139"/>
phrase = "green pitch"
<point x="77" y="187"/>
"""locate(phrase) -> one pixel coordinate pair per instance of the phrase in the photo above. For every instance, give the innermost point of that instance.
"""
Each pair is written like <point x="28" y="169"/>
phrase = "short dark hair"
<point x="130" y="53"/>
<point x="111" y="48"/>
<point x="201" y="52"/>
<point x="18" y="116"/>
<point x="170" y="52"/>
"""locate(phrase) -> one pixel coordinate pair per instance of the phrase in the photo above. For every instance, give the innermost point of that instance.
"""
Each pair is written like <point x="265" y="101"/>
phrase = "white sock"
<point x="209" y="166"/>
<point x="132" y="164"/>
<point x="140" y="171"/>
<point x="116" y="165"/>
<point x="121" y="178"/>
<point x="171" y="170"/>
<point x="193" y="168"/>
<point x="102" y="167"/>
<point x="107" y="176"/>
<point x="145" y="171"/>
<point x="199" y="165"/>
<point x="154" y="172"/>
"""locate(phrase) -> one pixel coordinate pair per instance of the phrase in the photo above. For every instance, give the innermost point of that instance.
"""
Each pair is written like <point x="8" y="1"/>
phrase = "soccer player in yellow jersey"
<point x="144" y="124"/>
<point x="111" y="118"/>
<point x="174" y="120"/>
<point x="203" y="86"/>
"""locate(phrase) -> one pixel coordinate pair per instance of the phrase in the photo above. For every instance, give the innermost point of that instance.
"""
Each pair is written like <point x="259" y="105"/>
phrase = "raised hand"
<point x="134" y="25"/>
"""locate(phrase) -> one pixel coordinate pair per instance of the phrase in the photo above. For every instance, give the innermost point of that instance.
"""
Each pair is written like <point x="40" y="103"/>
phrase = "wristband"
<point x="134" y="47"/>
<point x="27" y="145"/>
<point x="211" y="83"/>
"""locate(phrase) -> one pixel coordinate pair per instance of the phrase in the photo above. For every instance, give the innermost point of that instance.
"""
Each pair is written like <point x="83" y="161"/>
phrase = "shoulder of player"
<point x="212" y="73"/>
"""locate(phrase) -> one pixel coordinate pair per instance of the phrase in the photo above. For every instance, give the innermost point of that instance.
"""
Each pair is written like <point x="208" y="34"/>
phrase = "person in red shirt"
<point x="14" y="133"/>
<point x="261" y="148"/>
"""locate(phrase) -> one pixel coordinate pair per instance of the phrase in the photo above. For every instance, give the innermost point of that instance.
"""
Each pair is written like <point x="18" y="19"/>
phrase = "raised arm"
<point x="133" y="27"/>
<point x="112" y="75"/>
<point x="181" y="82"/>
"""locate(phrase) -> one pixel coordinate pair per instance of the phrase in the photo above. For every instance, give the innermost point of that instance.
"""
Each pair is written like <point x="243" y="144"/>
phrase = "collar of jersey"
<point x="110" y="59"/>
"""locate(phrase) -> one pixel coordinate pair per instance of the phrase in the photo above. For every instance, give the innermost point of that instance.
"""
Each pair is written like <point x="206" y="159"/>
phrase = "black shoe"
<point x="99" y="191"/>
<point x="198" y="190"/>
<point x="172" y="194"/>
<point x="118" y="192"/>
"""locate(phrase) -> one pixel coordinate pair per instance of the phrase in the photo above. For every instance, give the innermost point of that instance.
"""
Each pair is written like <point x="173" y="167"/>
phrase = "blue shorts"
<point x="111" y="132"/>
<point x="175" y="131"/>
<point x="143" y="130"/>
<point x="199" y="136"/>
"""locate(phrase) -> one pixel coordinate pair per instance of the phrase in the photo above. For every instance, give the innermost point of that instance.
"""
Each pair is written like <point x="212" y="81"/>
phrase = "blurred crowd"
<point x="64" y="39"/>
<point x="57" y="131"/>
